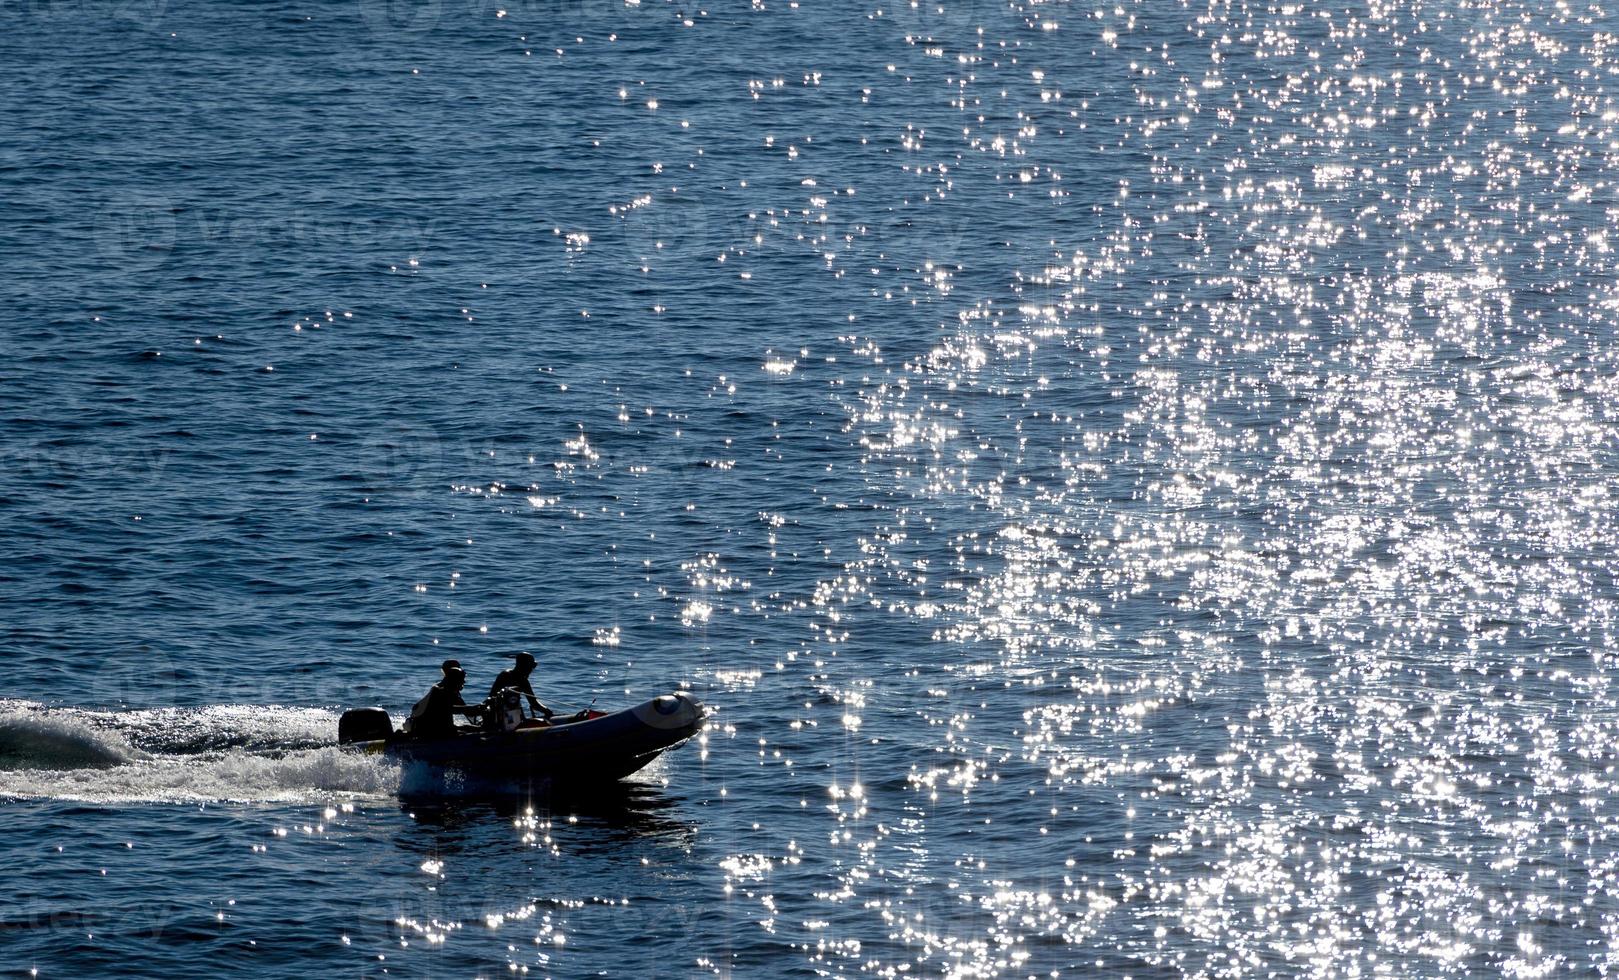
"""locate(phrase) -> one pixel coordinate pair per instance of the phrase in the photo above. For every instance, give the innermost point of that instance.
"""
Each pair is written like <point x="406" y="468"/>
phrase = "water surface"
<point x="1132" y="483"/>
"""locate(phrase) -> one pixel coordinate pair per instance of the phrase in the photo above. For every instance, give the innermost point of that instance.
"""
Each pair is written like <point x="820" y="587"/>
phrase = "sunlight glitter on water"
<point x="1348" y="540"/>
<point x="1133" y="480"/>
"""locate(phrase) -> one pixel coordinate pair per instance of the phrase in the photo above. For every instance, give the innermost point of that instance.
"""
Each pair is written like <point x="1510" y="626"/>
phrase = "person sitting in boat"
<point x="516" y="678"/>
<point x="434" y="715"/>
<point x="450" y="667"/>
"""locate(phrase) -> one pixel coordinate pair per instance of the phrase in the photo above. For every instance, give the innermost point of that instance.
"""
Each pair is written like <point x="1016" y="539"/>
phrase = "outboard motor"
<point x="364" y="725"/>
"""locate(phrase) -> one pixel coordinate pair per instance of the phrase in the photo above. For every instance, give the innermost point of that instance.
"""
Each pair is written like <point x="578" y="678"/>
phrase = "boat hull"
<point x="598" y="749"/>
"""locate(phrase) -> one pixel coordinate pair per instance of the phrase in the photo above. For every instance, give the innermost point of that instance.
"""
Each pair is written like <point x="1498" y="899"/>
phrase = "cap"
<point x="524" y="659"/>
<point x="450" y="665"/>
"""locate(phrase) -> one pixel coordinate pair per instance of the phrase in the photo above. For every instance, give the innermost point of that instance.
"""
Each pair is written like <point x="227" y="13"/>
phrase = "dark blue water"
<point x="1132" y="483"/>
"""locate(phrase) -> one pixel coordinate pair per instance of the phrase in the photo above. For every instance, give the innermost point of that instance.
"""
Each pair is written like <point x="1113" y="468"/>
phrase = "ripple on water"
<point x="1132" y="480"/>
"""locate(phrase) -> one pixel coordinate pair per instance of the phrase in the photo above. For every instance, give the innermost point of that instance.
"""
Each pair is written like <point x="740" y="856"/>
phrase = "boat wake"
<point x="221" y="753"/>
<point x="48" y="743"/>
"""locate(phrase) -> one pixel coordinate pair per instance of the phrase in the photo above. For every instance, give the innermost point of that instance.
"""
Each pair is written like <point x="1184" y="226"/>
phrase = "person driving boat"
<point x="434" y="715"/>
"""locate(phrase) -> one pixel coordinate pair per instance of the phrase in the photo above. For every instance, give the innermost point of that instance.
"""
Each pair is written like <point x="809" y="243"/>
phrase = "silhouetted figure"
<point x="450" y="667"/>
<point x="434" y="715"/>
<point x="516" y="678"/>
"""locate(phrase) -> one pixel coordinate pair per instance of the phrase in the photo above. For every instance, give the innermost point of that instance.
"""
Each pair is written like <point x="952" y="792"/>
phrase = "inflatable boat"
<point x="588" y="747"/>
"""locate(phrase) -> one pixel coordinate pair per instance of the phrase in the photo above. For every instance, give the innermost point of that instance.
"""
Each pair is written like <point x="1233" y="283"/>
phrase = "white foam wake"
<point x="224" y="753"/>
<point x="30" y="740"/>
